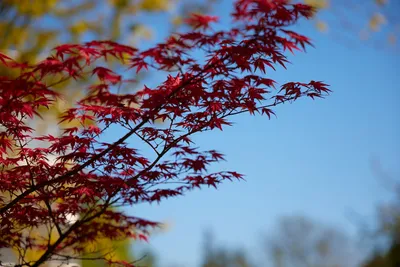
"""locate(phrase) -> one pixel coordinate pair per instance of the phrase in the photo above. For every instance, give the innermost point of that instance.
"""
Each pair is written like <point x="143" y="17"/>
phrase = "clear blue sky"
<point x="314" y="159"/>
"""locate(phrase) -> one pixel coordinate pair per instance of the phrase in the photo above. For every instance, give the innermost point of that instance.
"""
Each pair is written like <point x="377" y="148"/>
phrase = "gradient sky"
<point x="314" y="159"/>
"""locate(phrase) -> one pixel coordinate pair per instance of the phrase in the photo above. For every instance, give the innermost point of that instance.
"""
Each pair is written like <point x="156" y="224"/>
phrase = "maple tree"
<point x="29" y="31"/>
<point x="218" y="74"/>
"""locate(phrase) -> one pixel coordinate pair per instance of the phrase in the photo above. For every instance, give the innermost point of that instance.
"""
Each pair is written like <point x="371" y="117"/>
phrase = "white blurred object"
<point x="71" y="218"/>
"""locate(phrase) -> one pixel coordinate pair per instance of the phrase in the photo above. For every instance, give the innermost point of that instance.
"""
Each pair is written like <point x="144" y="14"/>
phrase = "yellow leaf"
<point x="44" y="37"/>
<point x="177" y="20"/>
<point x="155" y="5"/>
<point x="376" y="21"/>
<point x="79" y="27"/>
<point x="34" y="8"/>
<point x="119" y="3"/>
<point x="317" y="4"/>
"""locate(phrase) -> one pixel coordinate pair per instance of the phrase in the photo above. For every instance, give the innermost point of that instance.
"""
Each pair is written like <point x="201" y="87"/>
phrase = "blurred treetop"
<point x="377" y="22"/>
<point x="29" y="29"/>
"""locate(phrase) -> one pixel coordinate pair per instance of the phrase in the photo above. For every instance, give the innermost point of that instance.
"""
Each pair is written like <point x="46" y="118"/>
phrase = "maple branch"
<point x="271" y="105"/>
<point x="105" y="151"/>
<point x="77" y="224"/>
<point x="165" y="151"/>
<point x="167" y="148"/>
<point x="169" y="131"/>
<point x="69" y="257"/>
<point x="147" y="142"/>
<point x="60" y="81"/>
<point x="33" y="184"/>
<point x="52" y="217"/>
<point x="206" y="124"/>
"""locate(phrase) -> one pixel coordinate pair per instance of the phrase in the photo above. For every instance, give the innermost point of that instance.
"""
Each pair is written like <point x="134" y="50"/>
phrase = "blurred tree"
<point x="29" y="28"/>
<point x="375" y="21"/>
<point x="299" y="242"/>
<point x="388" y="224"/>
<point x="221" y="257"/>
<point x="391" y="258"/>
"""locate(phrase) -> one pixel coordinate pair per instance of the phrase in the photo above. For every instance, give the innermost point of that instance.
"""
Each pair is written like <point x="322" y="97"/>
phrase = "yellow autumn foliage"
<point x="33" y="254"/>
<point x="376" y="21"/>
<point x="24" y="29"/>
<point x="155" y="5"/>
<point x="317" y="4"/>
<point x="32" y="7"/>
<point x="29" y="29"/>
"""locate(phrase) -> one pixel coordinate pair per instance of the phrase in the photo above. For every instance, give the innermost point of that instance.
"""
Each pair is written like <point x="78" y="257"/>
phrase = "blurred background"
<point x="322" y="182"/>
